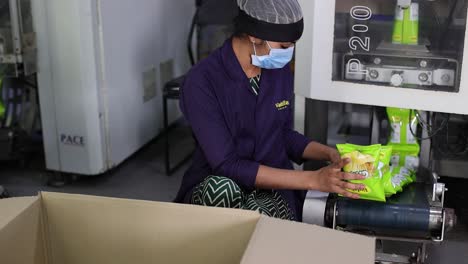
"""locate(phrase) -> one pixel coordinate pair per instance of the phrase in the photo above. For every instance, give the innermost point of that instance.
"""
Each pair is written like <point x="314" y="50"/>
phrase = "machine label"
<point x="72" y="140"/>
<point x="361" y="14"/>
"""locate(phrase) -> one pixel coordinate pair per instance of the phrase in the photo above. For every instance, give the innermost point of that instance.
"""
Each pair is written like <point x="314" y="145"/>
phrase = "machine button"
<point x="374" y="74"/>
<point x="446" y="78"/>
<point x="397" y="79"/>
<point x="423" y="77"/>
<point x="423" y="64"/>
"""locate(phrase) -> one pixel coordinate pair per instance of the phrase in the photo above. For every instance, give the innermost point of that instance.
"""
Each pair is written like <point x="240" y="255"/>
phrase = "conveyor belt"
<point x="408" y="214"/>
<point x="366" y="214"/>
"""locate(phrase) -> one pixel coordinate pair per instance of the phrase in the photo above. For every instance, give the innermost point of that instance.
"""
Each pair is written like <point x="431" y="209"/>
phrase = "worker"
<point x="238" y="104"/>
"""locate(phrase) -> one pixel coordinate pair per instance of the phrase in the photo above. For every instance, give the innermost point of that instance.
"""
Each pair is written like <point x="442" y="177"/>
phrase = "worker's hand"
<point x="332" y="180"/>
<point x="334" y="156"/>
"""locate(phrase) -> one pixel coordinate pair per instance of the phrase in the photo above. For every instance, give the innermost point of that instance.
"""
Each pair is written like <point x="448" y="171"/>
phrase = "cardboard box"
<point x="75" y="229"/>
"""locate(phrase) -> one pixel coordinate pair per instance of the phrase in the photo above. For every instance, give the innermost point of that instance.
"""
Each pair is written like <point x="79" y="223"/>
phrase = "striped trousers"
<point x="219" y="191"/>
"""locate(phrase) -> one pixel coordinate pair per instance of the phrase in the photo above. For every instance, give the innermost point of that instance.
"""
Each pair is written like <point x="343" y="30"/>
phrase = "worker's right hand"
<point x="331" y="179"/>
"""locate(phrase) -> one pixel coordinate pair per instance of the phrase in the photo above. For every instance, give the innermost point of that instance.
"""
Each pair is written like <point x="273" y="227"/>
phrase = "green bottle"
<point x="397" y="37"/>
<point x="411" y="25"/>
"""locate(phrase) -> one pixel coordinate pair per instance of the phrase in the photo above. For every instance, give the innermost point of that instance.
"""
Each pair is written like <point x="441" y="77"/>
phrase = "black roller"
<point x="380" y="215"/>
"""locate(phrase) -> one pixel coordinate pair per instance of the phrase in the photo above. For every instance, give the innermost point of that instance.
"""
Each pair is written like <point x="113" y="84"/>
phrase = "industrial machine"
<point x="19" y="114"/>
<point x="401" y="53"/>
<point x="17" y="39"/>
<point x="102" y="65"/>
<point x="351" y="52"/>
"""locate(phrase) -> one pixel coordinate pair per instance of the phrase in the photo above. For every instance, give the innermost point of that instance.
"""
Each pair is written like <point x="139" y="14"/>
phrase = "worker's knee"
<point x="218" y="192"/>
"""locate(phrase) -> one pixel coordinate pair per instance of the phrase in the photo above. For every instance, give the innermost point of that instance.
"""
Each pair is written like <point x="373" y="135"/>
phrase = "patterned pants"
<point x="218" y="191"/>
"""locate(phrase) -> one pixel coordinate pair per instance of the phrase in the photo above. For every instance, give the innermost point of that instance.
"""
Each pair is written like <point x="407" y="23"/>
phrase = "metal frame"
<point x="20" y="54"/>
<point x="15" y="26"/>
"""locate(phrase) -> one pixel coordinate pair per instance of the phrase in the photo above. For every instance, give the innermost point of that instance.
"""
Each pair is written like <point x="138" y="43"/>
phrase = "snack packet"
<point x="384" y="160"/>
<point x="400" y="123"/>
<point x="400" y="177"/>
<point x="389" y="187"/>
<point x="408" y="176"/>
<point x="364" y="161"/>
<point x="406" y="156"/>
<point x="385" y="170"/>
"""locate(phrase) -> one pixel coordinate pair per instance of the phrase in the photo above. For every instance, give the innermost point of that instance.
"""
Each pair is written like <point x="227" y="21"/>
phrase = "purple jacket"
<point x="237" y="131"/>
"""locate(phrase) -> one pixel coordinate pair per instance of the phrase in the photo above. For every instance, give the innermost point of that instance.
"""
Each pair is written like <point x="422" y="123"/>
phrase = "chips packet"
<point x="400" y="123"/>
<point x="384" y="160"/>
<point x="400" y="177"/>
<point x="364" y="160"/>
<point x="408" y="175"/>
<point x="385" y="170"/>
<point x="389" y="187"/>
<point x="406" y="156"/>
<point x="394" y="186"/>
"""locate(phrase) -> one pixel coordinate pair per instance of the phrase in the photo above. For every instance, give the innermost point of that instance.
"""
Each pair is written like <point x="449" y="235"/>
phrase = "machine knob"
<point x="397" y="79"/>
<point x="446" y="78"/>
<point x="423" y="64"/>
<point x="374" y="74"/>
<point x="423" y="77"/>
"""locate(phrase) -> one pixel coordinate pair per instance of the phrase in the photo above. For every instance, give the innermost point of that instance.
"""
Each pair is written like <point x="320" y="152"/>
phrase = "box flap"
<point x="276" y="241"/>
<point x="11" y="208"/>
<point x="21" y="240"/>
<point x="87" y="229"/>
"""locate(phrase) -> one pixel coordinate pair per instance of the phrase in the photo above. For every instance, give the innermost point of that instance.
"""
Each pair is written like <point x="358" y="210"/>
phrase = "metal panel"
<point x="68" y="74"/>
<point x="451" y="168"/>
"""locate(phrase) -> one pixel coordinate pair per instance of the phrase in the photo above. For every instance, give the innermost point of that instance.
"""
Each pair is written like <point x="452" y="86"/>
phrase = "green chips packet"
<point x="400" y="126"/>
<point x="384" y="160"/>
<point x="406" y="156"/>
<point x="389" y="187"/>
<point x="364" y="161"/>
<point x="385" y="157"/>
<point x="400" y="177"/>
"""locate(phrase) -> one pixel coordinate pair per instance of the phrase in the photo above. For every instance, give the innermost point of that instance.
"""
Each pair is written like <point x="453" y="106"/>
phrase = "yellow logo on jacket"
<point x="282" y="105"/>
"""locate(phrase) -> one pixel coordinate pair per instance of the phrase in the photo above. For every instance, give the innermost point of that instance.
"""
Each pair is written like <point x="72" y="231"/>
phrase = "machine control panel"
<point x="399" y="53"/>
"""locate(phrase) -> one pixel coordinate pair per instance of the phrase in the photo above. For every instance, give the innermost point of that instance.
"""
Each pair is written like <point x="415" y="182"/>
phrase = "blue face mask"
<point x="277" y="59"/>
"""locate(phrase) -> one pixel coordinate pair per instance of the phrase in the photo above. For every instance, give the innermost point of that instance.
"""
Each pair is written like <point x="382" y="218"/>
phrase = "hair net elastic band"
<point x="269" y="31"/>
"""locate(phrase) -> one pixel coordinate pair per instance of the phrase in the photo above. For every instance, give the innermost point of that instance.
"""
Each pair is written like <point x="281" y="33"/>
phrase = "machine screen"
<point x="404" y="43"/>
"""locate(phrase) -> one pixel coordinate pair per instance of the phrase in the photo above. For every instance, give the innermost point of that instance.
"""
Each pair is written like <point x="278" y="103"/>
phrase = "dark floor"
<point x="141" y="177"/>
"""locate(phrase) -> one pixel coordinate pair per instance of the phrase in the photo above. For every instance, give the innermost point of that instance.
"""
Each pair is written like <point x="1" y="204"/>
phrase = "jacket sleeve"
<point x="205" y="116"/>
<point x="296" y="143"/>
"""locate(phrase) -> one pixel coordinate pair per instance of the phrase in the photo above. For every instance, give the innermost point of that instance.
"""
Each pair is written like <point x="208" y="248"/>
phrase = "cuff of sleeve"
<point x="299" y="144"/>
<point x="248" y="171"/>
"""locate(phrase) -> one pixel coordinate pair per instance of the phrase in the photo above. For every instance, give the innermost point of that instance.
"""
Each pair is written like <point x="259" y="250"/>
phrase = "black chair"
<point x="213" y="23"/>
<point x="171" y="91"/>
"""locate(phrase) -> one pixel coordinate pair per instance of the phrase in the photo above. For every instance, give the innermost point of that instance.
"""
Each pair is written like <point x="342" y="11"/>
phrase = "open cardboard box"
<point x="57" y="228"/>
